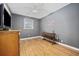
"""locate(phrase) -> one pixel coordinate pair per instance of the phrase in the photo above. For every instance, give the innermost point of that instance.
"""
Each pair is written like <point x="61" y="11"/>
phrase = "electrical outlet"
<point x="62" y="41"/>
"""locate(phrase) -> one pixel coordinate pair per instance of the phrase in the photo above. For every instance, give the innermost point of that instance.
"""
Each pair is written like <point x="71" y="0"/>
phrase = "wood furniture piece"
<point x="9" y="43"/>
<point x="51" y="37"/>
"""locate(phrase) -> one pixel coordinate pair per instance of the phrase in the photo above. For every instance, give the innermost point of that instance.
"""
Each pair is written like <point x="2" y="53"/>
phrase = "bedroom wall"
<point x="18" y="24"/>
<point x="65" y="22"/>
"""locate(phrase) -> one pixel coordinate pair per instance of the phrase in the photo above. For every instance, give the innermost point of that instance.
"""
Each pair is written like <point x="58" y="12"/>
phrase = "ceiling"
<point x="36" y="10"/>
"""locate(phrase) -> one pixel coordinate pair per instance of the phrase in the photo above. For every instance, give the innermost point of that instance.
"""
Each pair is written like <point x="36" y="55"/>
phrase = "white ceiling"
<point x="36" y="10"/>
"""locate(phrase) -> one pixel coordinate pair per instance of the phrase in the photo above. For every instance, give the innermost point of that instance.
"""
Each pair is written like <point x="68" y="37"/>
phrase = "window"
<point x="28" y="24"/>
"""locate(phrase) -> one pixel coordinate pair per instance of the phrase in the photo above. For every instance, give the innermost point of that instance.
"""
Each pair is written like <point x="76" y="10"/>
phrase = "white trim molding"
<point x="5" y="6"/>
<point x="68" y="46"/>
<point x="31" y="38"/>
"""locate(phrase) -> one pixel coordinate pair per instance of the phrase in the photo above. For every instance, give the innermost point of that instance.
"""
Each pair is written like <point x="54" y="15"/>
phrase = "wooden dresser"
<point x="9" y="43"/>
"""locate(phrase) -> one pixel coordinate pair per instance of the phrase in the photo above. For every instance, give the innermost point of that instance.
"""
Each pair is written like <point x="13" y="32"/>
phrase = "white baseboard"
<point x="68" y="46"/>
<point x="31" y="38"/>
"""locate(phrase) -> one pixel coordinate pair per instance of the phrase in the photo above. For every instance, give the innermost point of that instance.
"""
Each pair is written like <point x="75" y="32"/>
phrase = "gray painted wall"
<point x="65" y="22"/>
<point x="18" y="24"/>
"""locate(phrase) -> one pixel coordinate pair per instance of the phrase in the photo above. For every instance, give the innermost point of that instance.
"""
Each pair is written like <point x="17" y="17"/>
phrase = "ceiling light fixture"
<point x="34" y="11"/>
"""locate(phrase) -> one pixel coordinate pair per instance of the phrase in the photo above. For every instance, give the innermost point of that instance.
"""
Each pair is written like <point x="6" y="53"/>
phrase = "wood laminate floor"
<point x="38" y="47"/>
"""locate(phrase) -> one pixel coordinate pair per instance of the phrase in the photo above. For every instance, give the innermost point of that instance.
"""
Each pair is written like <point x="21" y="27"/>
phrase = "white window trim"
<point x="31" y="23"/>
